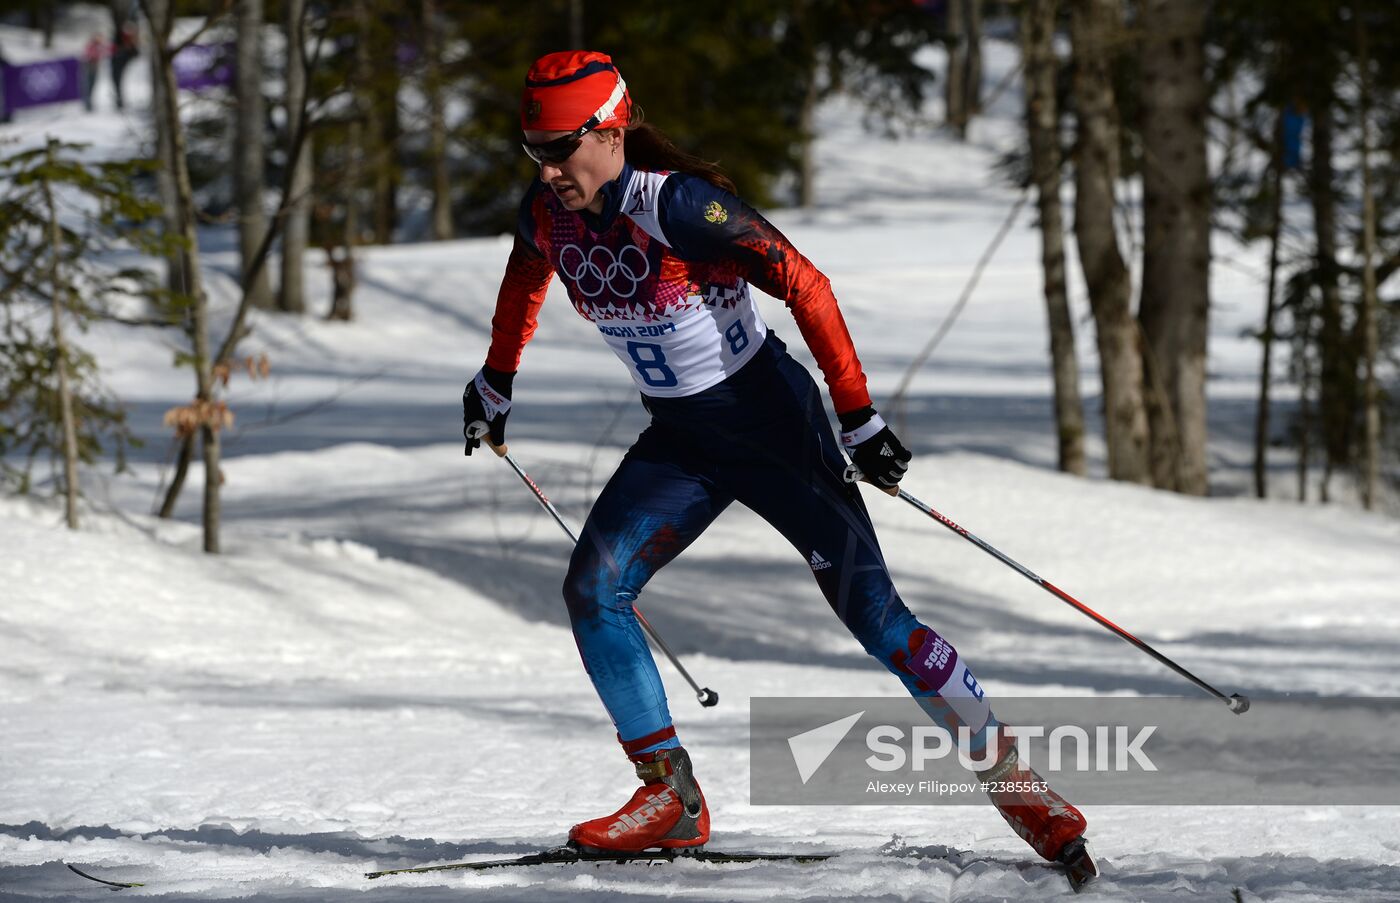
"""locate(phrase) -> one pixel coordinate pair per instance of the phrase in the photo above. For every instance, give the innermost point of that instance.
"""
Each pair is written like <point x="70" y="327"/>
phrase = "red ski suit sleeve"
<point x="518" y="305"/>
<point x="704" y="222"/>
<point x="780" y="270"/>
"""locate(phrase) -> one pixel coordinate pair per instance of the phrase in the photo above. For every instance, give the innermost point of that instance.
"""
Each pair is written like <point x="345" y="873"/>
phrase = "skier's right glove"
<point x="873" y="448"/>
<point x="485" y="406"/>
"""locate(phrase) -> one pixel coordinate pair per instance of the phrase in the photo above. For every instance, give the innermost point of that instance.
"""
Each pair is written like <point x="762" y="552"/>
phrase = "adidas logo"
<point x="886" y="451"/>
<point x="818" y="563"/>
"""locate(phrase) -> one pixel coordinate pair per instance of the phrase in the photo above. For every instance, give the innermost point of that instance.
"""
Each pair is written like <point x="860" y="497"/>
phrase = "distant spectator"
<point x="93" y="54"/>
<point x="125" y="47"/>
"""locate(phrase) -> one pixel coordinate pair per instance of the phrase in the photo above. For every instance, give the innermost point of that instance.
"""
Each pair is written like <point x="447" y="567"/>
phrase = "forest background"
<point x="328" y="127"/>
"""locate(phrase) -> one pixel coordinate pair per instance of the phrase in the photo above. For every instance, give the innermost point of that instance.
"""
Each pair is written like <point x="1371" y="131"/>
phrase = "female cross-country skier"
<point x="654" y="248"/>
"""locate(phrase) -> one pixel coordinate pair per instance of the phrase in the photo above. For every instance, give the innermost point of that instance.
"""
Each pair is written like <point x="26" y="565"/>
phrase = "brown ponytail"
<point x="647" y="147"/>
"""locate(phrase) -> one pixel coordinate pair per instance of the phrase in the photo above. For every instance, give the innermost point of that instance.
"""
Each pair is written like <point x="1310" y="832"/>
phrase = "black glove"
<point x="485" y="406"/>
<point x="873" y="448"/>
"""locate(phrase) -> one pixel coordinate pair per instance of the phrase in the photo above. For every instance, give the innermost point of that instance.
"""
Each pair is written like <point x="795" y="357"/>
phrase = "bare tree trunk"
<point x="249" y="146"/>
<point x="342" y="264"/>
<point x="386" y="178"/>
<point x="377" y="90"/>
<point x="161" y="17"/>
<point x="1368" y="325"/>
<point x="1095" y="26"/>
<point x="165" y="178"/>
<point x="65" y="388"/>
<point x="1305" y="416"/>
<point x="1266" y="335"/>
<point x="291" y="292"/>
<point x="963" y="86"/>
<point x="177" y="481"/>
<point x="366" y="130"/>
<point x="1230" y="91"/>
<point x="354" y="174"/>
<point x="46" y="14"/>
<point x="1175" y="303"/>
<point x="342" y="267"/>
<point x="1042" y="124"/>
<point x="176" y="277"/>
<point x="972" y="81"/>
<point x="175" y="264"/>
<point x="437" y="123"/>
<point x="1337" y="380"/>
<point x="955" y="89"/>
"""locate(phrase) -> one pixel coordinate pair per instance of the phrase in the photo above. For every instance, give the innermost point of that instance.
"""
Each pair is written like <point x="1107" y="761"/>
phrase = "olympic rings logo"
<point x="42" y="82"/>
<point x="195" y="60"/>
<point x="600" y="269"/>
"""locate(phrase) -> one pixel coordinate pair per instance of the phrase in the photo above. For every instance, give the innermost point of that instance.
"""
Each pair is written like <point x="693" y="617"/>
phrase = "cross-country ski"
<point x="567" y="855"/>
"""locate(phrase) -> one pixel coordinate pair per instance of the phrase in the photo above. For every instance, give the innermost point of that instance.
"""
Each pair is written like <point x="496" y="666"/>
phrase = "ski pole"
<point x="1237" y="703"/>
<point x="705" y="696"/>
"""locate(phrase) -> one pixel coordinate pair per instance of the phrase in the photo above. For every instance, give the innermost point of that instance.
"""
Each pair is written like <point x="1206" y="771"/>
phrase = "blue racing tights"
<point x="761" y="438"/>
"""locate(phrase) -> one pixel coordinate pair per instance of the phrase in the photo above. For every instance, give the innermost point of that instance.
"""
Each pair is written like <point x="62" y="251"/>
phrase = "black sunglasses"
<point x="561" y="148"/>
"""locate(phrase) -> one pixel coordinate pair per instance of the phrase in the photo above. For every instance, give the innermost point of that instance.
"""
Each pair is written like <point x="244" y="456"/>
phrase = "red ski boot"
<point x="1043" y="818"/>
<point x="668" y="811"/>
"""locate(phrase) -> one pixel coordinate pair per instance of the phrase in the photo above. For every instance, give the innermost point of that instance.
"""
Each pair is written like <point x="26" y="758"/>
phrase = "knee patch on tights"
<point x="934" y="665"/>
<point x="581" y="595"/>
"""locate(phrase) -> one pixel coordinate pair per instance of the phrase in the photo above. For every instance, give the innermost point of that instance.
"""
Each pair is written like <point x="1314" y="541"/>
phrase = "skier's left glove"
<point x="874" y="449"/>
<point x="485" y="406"/>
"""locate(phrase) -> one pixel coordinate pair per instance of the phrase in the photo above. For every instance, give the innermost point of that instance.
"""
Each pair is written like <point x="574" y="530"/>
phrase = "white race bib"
<point x="689" y="352"/>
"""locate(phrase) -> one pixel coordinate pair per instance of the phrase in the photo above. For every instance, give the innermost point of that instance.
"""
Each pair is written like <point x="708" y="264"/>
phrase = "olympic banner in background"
<point x="36" y="84"/>
<point x="201" y="66"/>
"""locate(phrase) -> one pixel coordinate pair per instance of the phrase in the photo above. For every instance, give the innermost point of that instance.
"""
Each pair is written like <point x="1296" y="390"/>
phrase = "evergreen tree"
<point x="58" y="216"/>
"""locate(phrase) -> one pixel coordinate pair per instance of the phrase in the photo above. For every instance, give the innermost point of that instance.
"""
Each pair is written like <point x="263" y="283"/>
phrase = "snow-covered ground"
<point x="378" y="671"/>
